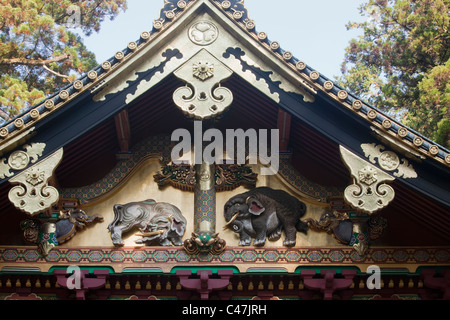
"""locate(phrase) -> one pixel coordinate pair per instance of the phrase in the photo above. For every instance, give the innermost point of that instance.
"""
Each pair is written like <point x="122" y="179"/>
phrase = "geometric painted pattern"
<point x="165" y="259"/>
<point x="205" y="208"/>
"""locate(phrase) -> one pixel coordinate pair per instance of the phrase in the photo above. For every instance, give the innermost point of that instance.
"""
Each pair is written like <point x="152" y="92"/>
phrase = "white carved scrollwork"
<point x="32" y="194"/>
<point x="203" y="97"/>
<point x="369" y="193"/>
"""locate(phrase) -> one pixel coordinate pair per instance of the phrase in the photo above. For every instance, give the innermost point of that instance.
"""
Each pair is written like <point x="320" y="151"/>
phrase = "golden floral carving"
<point x="203" y="70"/>
<point x="389" y="161"/>
<point x="18" y="160"/>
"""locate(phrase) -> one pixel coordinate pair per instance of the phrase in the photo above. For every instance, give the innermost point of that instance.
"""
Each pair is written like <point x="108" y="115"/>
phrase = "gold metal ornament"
<point x="203" y="33"/>
<point x="32" y="194"/>
<point x="203" y="97"/>
<point x="368" y="193"/>
<point x="389" y="161"/>
<point x="19" y="160"/>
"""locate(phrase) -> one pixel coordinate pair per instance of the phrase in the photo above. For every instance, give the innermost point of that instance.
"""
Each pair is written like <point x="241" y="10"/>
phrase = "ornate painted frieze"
<point x="164" y="259"/>
<point x="203" y="97"/>
<point x="32" y="194"/>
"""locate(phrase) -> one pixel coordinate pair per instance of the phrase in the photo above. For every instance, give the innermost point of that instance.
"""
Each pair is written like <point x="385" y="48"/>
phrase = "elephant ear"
<point x="255" y="207"/>
<point x="177" y="225"/>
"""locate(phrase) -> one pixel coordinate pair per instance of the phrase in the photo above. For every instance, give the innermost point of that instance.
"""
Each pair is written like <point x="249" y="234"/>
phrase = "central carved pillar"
<point x="205" y="199"/>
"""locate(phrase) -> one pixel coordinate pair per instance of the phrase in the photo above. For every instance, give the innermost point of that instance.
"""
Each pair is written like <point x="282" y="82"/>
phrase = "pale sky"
<point x="314" y="31"/>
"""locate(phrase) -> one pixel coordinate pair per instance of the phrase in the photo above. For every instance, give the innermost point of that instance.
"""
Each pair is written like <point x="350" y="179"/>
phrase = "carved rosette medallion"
<point x="18" y="160"/>
<point x="388" y="161"/>
<point x="32" y="194"/>
<point x="203" y="70"/>
<point x="203" y="33"/>
<point x="369" y="193"/>
<point x="203" y="97"/>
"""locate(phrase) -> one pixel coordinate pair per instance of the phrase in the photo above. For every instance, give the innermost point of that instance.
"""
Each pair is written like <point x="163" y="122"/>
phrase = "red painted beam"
<point x="123" y="131"/>
<point x="284" y="126"/>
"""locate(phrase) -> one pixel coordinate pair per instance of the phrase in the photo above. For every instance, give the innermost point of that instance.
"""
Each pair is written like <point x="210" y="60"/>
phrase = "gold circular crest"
<point x="18" y="160"/>
<point x="389" y="161"/>
<point x="203" y="33"/>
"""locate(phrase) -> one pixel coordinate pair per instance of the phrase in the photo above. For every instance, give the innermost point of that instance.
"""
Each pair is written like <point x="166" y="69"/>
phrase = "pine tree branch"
<point x="33" y="62"/>
<point x="54" y="72"/>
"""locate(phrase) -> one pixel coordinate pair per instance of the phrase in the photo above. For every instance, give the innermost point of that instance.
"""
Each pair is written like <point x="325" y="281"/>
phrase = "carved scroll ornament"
<point x="369" y="192"/>
<point x="203" y="97"/>
<point x="32" y="194"/>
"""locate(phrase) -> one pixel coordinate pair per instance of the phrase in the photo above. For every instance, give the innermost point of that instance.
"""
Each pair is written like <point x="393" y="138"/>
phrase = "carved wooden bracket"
<point x="93" y="282"/>
<point x="204" y="284"/>
<point x="32" y="194"/>
<point x="442" y="283"/>
<point x="329" y="283"/>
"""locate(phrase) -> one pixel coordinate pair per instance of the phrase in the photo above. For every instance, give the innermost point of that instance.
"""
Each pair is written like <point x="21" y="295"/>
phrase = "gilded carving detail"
<point x="203" y="70"/>
<point x="389" y="161"/>
<point x="32" y="194"/>
<point x="368" y="193"/>
<point x="203" y="97"/>
<point x="203" y="33"/>
<point x="19" y="160"/>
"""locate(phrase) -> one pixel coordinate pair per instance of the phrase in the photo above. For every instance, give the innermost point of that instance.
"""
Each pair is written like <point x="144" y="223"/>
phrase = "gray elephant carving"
<point x="158" y="222"/>
<point x="263" y="213"/>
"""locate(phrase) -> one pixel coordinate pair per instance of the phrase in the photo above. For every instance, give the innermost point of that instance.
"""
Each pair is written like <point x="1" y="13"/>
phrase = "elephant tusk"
<point x="151" y="234"/>
<point x="231" y="221"/>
